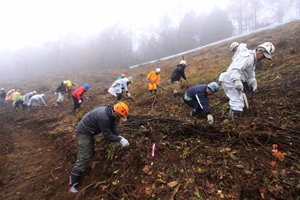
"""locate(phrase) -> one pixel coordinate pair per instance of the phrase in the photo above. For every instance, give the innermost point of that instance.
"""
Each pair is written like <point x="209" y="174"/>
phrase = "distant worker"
<point x="122" y="76"/>
<point x="238" y="48"/>
<point x="15" y="96"/>
<point x="241" y="72"/>
<point x="18" y="102"/>
<point x="116" y="88"/>
<point x="153" y="80"/>
<point x="197" y="98"/>
<point x="77" y="97"/>
<point x="36" y="101"/>
<point x="2" y="97"/>
<point x="100" y="120"/>
<point x="27" y="97"/>
<point x="60" y="91"/>
<point x="176" y="78"/>
<point x="69" y="87"/>
<point x="9" y="93"/>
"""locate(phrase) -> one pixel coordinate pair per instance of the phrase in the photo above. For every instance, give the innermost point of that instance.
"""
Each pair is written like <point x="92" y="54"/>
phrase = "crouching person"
<point x="197" y="98"/>
<point x="100" y="120"/>
<point x="18" y="102"/>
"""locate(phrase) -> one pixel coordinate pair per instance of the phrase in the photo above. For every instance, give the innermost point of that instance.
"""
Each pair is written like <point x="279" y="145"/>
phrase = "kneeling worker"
<point x="197" y="98"/>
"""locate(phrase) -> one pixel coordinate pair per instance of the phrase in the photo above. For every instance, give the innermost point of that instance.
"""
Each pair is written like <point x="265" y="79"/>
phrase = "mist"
<point x="120" y="46"/>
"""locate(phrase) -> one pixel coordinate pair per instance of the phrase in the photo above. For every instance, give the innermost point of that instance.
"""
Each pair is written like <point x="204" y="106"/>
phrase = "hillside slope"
<point x="229" y="160"/>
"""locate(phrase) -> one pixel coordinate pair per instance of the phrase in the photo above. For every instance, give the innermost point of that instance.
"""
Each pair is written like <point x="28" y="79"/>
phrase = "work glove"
<point x="79" y="101"/>
<point x="210" y="119"/>
<point x="238" y="85"/>
<point x="149" y="80"/>
<point x="55" y="92"/>
<point x="124" y="142"/>
<point x="158" y="86"/>
<point x="46" y="105"/>
<point x="128" y="94"/>
<point x="254" y="85"/>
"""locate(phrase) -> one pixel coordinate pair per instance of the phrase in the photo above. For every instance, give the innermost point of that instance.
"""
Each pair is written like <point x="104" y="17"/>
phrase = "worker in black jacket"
<point x="176" y="77"/>
<point x="61" y="89"/>
<point x="100" y="120"/>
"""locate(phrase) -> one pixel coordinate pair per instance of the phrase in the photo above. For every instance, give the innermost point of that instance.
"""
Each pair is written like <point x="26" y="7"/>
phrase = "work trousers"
<point x="60" y="97"/>
<point x="176" y="86"/>
<point x="84" y="153"/>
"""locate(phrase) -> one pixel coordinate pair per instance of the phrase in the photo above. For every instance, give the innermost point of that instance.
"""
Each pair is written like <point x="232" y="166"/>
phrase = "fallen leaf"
<point x="161" y="181"/>
<point x="262" y="189"/>
<point x="240" y="166"/>
<point x="200" y="171"/>
<point x="234" y="152"/>
<point x="172" y="184"/>
<point x="230" y="195"/>
<point x="146" y="169"/>
<point x="227" y="149"/>
<point x="273" y="163"/>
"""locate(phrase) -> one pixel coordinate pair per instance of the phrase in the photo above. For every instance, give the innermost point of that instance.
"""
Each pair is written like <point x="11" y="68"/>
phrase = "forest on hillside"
<point x="119" y="46"/>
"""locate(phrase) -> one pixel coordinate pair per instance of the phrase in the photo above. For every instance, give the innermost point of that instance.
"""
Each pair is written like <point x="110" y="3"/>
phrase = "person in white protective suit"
<point x="238" y="48"/>
<point x="36" y="101"/>
<point x="27" y="97"/>
<point x="242" y="70"/>
<point x="118" y="85"/>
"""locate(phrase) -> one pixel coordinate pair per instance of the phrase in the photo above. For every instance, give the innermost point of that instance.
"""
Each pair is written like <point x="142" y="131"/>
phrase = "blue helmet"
<point x="86" y="86"/>
<point x="131" y="79"/>
<point x="213" y="86"/>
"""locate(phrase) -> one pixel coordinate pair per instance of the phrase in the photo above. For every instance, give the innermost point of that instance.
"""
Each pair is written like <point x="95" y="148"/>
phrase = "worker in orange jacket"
<point x="153" y="80"/>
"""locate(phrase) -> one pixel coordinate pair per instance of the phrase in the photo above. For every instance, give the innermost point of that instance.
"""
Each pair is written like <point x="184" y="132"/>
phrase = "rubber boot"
<point x="74" y="112"/>
<point x="237" y="114"/>
<point x="119" y="96"/>
<point x="150" y="91"/>
<point x="174" y="95"/>
<point x="234" y="114"/>
<point x="73" y="184"/>
<point x="56" y="103"/>
<point x="29" y="108"/>
<point x="192" y="113"/>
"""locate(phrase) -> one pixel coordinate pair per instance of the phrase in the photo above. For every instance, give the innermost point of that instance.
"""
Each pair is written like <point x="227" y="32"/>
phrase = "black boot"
<point x="73" y="184"/>
<point x="234" y="114"/>
<point x="174" y="95"/>
<point x="119" y="96"/>
<point x="74" y="112"/>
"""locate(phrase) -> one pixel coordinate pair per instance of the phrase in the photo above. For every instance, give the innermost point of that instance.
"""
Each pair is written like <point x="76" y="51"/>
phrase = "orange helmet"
<point x="122" y="109"/>
<point x="18" y="90"/>
<point x="123" y="75"/>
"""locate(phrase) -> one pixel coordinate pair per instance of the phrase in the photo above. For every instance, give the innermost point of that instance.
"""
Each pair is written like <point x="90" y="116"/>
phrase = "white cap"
<point x="64" y="82"/>
<point x="2" y="88"/>
<point x="34" y="92"/>
<point x="157" y="70"/>
<point x="42" y="95"/>
<point x="233" y="45"/>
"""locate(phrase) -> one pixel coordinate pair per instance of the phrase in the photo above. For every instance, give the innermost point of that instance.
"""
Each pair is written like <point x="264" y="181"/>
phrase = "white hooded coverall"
<point x="36" y="100"/>
<point x="243" y="69"/>
<point x="241" y="48"/>
<point x="117" y="86"/>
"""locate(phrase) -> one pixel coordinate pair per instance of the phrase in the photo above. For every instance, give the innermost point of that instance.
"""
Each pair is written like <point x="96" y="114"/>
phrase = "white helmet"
<point x="183" y="62"/>
<point x="65" y="82"/>
<point x="233" y="45"/>
<point x="269" y="49"/>
<point x="2" y="88"/>
<point x="42" y="95"/>
<point x="34" y="92"/>
<point x="13" y="90"/>
<point x="157" y="70"/>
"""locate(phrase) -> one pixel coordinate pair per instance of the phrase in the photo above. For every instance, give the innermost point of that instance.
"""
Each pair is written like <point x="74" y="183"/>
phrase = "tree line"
<point x="120" y="46"/>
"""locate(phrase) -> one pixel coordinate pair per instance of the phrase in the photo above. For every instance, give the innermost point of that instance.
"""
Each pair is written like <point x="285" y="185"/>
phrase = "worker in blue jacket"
<point x="197" y="98"/>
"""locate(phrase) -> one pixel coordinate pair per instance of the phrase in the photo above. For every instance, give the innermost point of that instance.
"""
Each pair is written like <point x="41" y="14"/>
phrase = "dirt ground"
<point x="192" y="159"/>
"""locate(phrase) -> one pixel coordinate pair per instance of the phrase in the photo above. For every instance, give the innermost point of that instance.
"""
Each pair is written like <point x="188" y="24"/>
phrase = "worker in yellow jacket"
<point x="153" y="80"/>
<point x="15" y="96"/>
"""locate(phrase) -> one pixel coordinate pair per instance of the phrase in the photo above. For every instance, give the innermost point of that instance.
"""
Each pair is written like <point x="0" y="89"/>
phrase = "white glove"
<point x="254" y="85"/>
<point x="128" y="94"/>
<point x="79" y="101"/>
<point x="55" y="92"/>
<point x="238" y="85"/>
<point x="210" y="118"/>
<point x="124" y="142"/>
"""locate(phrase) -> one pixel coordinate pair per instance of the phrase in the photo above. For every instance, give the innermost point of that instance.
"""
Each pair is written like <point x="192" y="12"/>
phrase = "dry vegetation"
<point x="229" y="160"/>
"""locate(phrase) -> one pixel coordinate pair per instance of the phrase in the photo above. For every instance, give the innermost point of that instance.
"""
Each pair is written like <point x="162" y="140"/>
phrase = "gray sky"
<point x="32" y="22"/>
